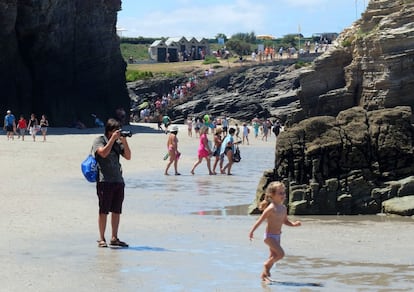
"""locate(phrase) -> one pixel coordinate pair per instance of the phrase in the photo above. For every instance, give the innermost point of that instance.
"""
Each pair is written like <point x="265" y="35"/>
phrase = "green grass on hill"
<point x="136" y="51"/>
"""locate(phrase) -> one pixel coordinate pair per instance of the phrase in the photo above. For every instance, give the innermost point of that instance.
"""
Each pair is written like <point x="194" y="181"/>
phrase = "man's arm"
<point x="105" y="150"/>
<point x="127" y="150"/>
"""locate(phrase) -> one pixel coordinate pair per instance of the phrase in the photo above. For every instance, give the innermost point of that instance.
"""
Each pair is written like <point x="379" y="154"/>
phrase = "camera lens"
<point x="126" y="133"/>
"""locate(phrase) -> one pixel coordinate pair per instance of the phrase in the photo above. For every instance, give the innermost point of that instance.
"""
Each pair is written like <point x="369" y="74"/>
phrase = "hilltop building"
<point x="179" y="49"/>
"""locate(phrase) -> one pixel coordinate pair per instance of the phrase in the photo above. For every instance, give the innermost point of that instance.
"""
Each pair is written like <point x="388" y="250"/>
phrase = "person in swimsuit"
<point x="173" y="153"/>
<point x="204" y="151"/>
<point x="217" y="147"/>
<point x="275" y="212"/>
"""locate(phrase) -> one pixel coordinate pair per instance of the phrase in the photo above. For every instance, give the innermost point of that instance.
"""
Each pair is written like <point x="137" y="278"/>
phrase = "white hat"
<point x="9" y="111"/>
<point x="174" y="129"/>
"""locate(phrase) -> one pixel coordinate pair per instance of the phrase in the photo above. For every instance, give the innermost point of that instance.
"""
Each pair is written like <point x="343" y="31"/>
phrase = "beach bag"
<point x="236" y="155"/>
<point x="89" y="168"/>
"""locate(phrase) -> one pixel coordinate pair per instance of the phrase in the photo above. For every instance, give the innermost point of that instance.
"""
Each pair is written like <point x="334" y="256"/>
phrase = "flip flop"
<point x="102" y="243"/>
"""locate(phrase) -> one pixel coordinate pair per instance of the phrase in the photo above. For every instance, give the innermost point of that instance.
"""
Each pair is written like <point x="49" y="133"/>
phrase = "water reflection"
<point x="226" y="211"/>
<point x="202" y="193"/>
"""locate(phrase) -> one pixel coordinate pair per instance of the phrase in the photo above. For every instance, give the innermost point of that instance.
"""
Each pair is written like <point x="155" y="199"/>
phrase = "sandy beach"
<point x="186" y="233"/>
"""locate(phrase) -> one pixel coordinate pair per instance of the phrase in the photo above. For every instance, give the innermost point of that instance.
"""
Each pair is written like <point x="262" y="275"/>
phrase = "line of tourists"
<point x="20" y="127"/>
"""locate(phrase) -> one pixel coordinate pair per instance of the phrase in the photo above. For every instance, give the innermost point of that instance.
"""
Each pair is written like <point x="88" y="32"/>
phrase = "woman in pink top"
<point x="204" y="150"/>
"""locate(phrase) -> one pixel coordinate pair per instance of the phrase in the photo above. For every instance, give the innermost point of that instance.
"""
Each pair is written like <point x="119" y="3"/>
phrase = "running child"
<point x="275" y="212"/>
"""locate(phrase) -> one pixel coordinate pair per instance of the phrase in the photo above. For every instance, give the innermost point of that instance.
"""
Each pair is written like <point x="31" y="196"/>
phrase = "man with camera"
<point x="110" y="184"/>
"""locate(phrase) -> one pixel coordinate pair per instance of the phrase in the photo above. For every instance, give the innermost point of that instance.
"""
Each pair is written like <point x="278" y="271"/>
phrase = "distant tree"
<point x="221" y="36"/>
<point x="289" y="40"/>
<point x="239" y="46"/>
<point x="247" y="37"/>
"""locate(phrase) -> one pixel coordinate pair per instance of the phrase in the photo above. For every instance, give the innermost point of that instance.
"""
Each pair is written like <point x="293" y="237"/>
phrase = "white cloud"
<point x="190" y="20"/>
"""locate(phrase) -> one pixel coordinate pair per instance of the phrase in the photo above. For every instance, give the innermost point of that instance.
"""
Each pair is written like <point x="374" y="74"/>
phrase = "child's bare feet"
<point x="264" y="277"/>
<point x="266" y="272"/>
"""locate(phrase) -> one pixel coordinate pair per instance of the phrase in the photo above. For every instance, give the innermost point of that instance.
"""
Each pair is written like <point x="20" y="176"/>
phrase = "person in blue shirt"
<point x="10" y="125"/>
<point x="227" y="149"/>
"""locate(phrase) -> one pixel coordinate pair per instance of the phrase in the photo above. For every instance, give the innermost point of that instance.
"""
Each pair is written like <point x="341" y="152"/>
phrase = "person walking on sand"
<point x="237" y="131"/>
<point x="189" y="126"/>
<point x="21" y="127"/>
<point x="275" y="213"/>
<point x="204" y="151"/>
<point x="227" y="149"/>
<point x="33" y="126"/>
<point x="246" y="132"/>
<point x="173" y="153"/>
<point x="9" y="125"/>
<point x="110" y="186"/>
<point x="166" y="121"/>
<point x="216" y="148"/>
<point x="44" y="123"/>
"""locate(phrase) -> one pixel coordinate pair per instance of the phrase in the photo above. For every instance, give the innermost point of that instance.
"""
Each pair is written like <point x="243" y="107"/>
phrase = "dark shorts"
<point x="9" y="128"/>
<point x="111" y="196"/>
<point x="228" y="148"/>
<point x="216" y="152"/>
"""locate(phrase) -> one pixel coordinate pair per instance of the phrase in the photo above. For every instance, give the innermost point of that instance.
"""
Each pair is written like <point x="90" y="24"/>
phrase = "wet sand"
<point x="186" y="233"/>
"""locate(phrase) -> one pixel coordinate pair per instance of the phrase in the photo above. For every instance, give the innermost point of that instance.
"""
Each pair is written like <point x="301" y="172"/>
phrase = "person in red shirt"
<point x="21" y="127"/>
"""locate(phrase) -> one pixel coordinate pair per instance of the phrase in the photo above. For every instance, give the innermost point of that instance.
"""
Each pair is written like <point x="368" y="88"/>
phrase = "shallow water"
<point x="337" y="252"/>
<point x="201" y="192"/>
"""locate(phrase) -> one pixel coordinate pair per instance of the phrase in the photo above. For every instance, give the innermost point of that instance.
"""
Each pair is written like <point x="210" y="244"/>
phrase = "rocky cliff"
<point x="355" y="149"/>
<point x="61" y="58"/>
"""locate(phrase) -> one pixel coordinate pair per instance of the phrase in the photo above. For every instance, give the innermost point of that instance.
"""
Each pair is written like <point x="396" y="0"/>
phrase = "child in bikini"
<point x="275" y="212"/>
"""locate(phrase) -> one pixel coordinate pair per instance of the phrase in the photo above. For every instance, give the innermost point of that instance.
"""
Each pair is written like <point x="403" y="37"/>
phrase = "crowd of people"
<point x="150" y="109"/>
<point x="262" y="128"/>
<point x="22" y="126"/>
<point x="223" y="146"/>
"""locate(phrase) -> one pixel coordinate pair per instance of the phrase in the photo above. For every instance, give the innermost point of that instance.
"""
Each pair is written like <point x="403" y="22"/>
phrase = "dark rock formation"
<point x="261" y="90"/>
<point x="334" y="164"/>
<point x="62" y="59"/>
<point x="346" y="159"/>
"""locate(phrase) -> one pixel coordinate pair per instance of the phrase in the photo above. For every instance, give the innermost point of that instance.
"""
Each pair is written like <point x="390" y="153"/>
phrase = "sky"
<point x="163" y="18"/>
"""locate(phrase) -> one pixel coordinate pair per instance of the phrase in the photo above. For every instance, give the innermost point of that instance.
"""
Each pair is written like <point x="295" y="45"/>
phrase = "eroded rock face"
<point x="333" y="164"/>
<point x="261" y="90"/>
<point x="355" y="144"/>
<point x="61" y="58"/>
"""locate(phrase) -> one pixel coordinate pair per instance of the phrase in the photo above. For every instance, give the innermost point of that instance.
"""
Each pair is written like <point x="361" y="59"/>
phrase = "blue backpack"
<point x="89" y="168"/>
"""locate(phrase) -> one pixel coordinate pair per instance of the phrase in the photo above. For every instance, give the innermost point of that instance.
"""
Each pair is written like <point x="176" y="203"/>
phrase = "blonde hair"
<point x="271" y="189"/>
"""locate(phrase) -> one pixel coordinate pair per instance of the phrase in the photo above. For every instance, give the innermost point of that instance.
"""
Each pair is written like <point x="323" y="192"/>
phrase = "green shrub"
<point x="300" y="64"/>
<point x="134" y="75"/>
<point x="210" y="60"/>
<point x="346" y="43"/>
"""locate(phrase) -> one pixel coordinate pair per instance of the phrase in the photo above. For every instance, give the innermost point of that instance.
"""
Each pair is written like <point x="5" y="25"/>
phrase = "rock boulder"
<point x="61" y="58"/>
